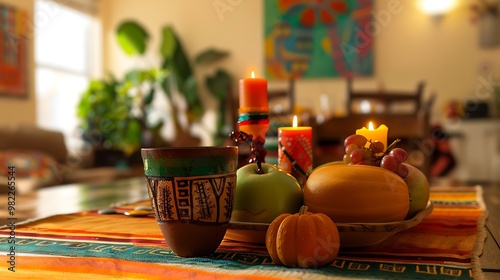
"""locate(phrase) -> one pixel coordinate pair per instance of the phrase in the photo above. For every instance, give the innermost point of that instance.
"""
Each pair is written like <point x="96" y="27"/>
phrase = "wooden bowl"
<point x="351" y="235"/>
<point x="366" y="234"/>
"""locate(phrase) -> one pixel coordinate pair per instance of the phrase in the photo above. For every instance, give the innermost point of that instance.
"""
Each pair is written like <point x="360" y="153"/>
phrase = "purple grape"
<point x="359" y="140"/>
<point x="377" y="147"/>
<point x="399" y="154"/>
<point x="389" y="162"/>
<point x="347" y="158"/>
<point x="402" y="171"/>
<point x="350" y="148"/>
<point x="357" y="156"/>
<point x="367" y="155"/>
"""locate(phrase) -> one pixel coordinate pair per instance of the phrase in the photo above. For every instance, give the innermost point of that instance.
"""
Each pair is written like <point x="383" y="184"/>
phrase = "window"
<point x="66" y="59"/>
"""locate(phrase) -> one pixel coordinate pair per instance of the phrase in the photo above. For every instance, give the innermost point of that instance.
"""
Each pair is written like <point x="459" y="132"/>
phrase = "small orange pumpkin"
<point x="303" y="239"/>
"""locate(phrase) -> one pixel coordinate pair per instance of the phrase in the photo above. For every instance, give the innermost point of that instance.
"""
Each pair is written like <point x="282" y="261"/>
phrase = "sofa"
<point x="41" y="159"/>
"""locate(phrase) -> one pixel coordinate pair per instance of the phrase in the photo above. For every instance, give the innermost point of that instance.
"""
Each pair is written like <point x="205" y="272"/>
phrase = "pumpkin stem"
<point x="303" y="210"/>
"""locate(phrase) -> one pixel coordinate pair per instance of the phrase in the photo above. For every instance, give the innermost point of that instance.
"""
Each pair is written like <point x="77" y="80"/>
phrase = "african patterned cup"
<point x="191" y="190"/>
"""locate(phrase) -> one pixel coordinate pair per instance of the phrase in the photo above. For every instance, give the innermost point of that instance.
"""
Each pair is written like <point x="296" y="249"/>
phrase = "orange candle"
<point x="378" y="134"/>
<point x="253" y="117"/>
<point x="253" y="95"/>
<point x="295" y="150"/>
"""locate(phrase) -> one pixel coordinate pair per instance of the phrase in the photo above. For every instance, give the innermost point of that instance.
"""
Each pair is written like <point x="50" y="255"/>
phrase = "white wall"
<point x="410" y="47"/>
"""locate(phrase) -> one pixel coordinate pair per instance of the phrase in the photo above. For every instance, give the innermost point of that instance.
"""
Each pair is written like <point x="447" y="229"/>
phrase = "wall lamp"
<point x="437" y="8"/>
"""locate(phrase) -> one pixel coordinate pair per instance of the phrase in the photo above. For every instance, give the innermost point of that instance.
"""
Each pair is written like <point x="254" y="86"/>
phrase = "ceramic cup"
<point x="191" y="190"/>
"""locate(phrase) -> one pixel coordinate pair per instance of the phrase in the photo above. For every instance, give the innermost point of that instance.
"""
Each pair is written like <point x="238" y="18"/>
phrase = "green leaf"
<point x="166" y="84"/>
<point x="132" y="37"/>
<point x="160" y="74"/>
<point x="137" y="77"/>
<point x="197" y="109"/>
<point x="133" y="76"/>
<point x="219" y="84"/>
<point x="131" y="137"/>
<point x="191" y="90"/>
<point x="168" y="42"/>
<point x="133" y="132"/>
<point x="177" y="62"/>
<point x="98" y="92"/>
<point x="149" y="96"/>
<point x="210" y="55"/>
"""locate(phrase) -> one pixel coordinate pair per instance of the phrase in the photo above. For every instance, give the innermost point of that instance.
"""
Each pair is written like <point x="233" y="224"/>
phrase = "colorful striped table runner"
<point x="86" y="245"/>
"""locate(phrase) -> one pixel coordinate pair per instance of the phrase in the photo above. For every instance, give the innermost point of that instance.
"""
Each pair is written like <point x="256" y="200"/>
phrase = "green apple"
<point x="418" y="187"/>
<point x="260" y="198"/>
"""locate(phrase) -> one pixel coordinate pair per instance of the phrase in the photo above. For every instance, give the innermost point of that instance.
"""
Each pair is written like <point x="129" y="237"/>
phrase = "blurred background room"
<point x="85" y="83"/>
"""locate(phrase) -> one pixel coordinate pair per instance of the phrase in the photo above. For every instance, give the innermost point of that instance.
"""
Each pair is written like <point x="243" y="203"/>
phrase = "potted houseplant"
<point x="115" y="122"/>
<point x="116" y="113"/>
<point x="181" y="78"/>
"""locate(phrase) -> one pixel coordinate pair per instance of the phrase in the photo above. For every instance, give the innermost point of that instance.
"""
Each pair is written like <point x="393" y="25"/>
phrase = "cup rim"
<point x="193" y="151"/>
<point x="188" y="148"/>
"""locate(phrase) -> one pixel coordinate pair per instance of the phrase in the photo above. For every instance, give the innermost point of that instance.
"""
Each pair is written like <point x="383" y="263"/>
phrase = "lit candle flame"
<point x="253" y="75"/>
<point x="295" y="122"/>
<point x="370" y="126"/>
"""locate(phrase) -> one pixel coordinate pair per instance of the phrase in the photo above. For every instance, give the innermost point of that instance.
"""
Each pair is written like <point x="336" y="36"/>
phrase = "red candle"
<point x="295" y="150"/>
<point x="253" y="95"/>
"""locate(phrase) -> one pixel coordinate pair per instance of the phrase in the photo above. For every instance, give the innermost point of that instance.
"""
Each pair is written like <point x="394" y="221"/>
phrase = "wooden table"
<point x="490" y="260"/>
<point x="79" y="197"/>
<point x="74" y="198"/>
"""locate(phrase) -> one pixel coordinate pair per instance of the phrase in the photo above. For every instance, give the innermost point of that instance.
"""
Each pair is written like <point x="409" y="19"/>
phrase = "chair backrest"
<point x="277" y="95"/>
<point x="383" y="101"/>
<point x="411" y="126"/>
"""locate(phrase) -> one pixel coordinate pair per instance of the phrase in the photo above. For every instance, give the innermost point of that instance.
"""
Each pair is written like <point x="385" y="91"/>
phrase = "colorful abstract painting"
<point x="321" y="38"/>
<point x="13" y="52"/>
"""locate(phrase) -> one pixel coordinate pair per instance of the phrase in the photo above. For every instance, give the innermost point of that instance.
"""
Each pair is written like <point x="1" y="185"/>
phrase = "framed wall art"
<point x="13" y="52"/>
<point x="313" y="39"/>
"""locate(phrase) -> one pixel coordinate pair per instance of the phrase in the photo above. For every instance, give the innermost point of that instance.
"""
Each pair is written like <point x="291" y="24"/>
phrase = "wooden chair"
<point x="412" y="127"/>
<point x="385" y="99"/>
<point x="276" y="96"/>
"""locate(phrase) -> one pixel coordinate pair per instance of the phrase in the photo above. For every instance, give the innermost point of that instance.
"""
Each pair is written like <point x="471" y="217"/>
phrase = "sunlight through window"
<point x="65" y="59"/>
